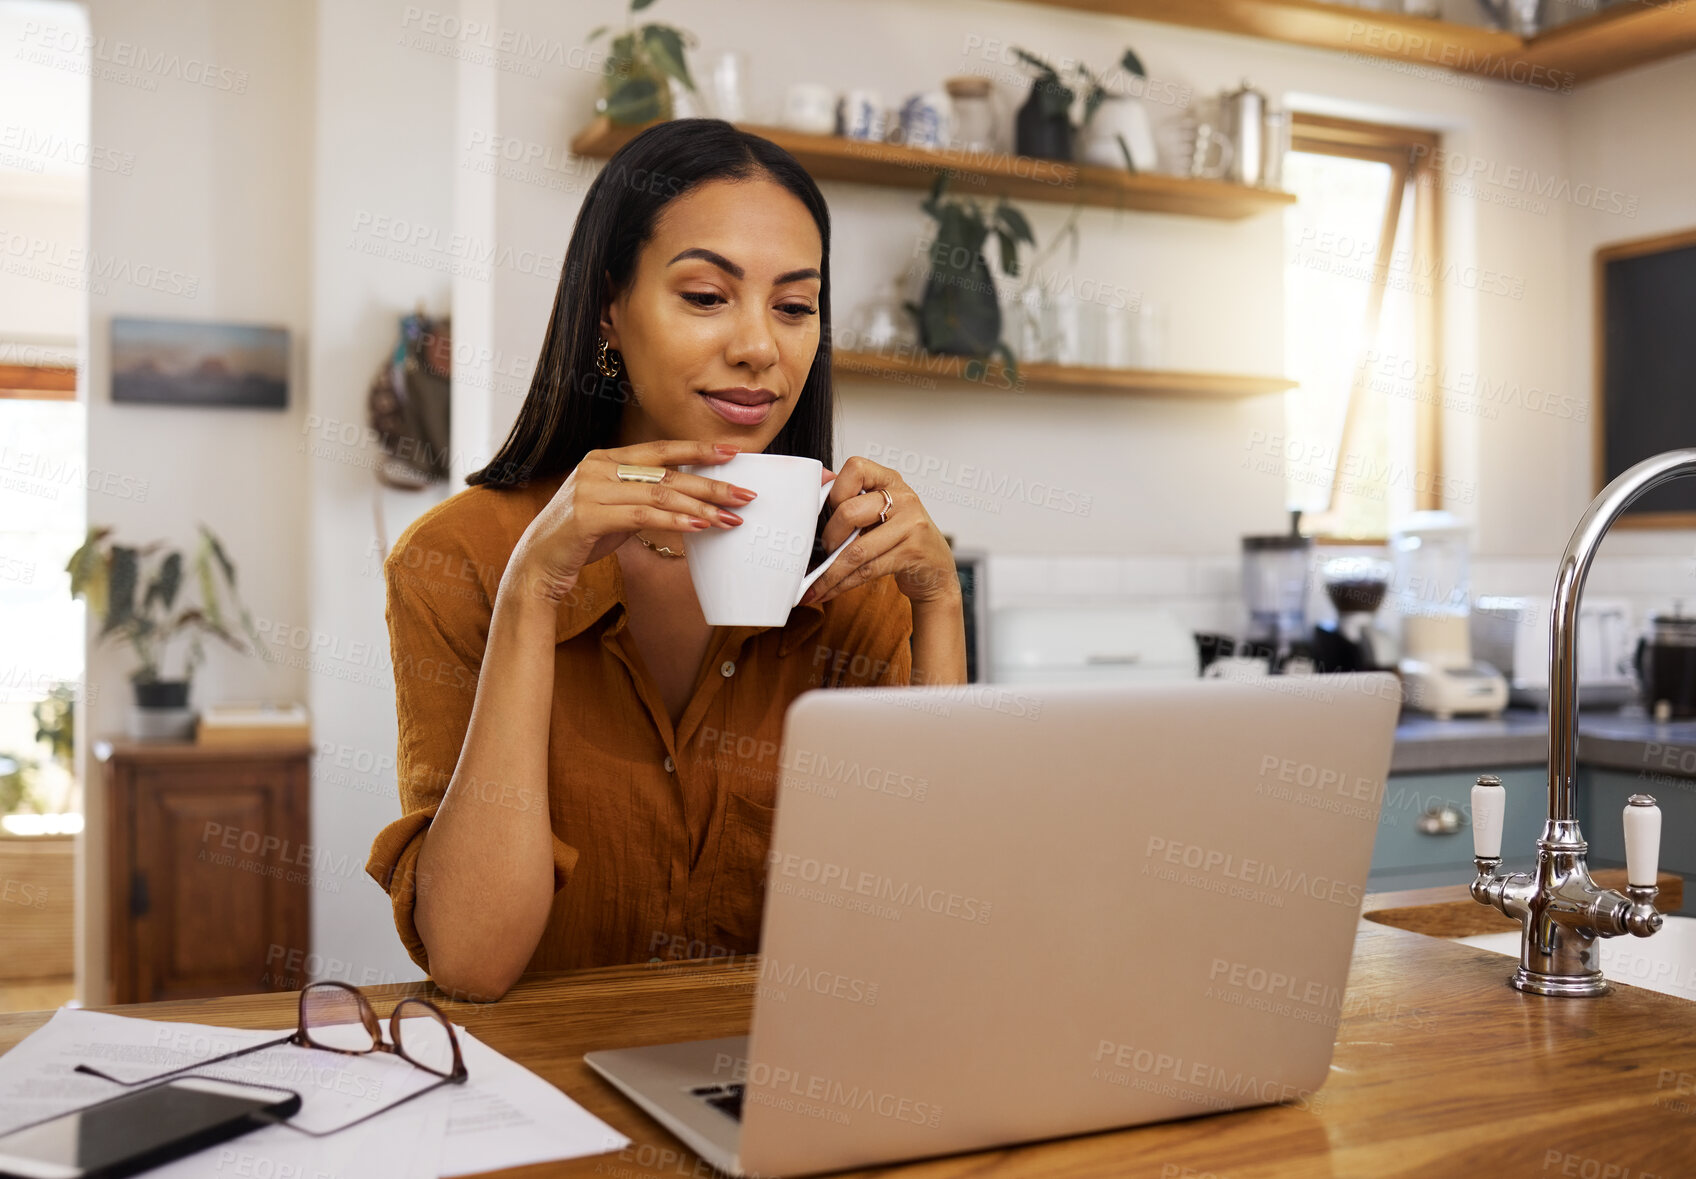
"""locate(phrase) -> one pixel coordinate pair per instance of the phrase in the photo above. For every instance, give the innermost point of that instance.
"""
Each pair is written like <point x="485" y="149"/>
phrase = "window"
<point x="1361" y="326"/>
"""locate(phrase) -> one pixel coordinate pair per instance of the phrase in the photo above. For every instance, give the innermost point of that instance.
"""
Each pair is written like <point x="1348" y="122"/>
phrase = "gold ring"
<point x="629" y="473"/>
<point x="888" y="502"/>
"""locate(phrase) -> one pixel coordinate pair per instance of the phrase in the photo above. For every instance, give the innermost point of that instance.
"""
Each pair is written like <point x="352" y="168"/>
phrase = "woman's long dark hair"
<point x="571" y="408"/>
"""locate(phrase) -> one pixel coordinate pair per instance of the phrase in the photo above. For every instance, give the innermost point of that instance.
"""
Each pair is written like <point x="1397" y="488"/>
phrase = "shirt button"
<point x="670" y="766"/>
<point x="727" y="669"/>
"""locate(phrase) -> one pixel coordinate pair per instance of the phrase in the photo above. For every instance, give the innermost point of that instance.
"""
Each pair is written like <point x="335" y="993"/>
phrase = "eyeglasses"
<point x="336" y="1017"/>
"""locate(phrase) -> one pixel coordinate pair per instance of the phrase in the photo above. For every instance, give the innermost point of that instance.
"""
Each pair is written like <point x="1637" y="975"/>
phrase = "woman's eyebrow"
<point x="736" y="272"/>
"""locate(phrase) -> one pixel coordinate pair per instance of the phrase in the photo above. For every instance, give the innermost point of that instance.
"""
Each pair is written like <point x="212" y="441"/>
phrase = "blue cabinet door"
<point x="1406" y="857"/>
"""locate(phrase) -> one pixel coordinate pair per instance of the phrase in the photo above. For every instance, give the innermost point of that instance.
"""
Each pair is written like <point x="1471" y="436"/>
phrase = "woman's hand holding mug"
<point x="594" y="511"/>
<point x="906" y="542"/>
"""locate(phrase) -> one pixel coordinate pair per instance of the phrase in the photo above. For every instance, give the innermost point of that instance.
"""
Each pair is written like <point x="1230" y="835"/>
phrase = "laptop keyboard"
<point x="727" y="1099"/>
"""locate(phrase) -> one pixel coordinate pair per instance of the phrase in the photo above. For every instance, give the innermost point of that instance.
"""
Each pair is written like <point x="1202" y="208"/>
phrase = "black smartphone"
<point x="140" y="1129"/>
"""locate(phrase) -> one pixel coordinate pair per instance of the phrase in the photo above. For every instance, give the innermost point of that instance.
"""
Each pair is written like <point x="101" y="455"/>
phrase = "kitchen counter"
<point x="1440" y="1068"/>
<point x="1624" y="741"/>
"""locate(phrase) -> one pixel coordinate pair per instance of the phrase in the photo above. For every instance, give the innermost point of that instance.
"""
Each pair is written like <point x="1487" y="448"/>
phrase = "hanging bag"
<point x="408" y="405"/>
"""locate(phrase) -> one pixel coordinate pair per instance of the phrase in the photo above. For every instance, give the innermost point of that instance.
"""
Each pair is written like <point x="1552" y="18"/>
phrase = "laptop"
<point x="997" y="915"/>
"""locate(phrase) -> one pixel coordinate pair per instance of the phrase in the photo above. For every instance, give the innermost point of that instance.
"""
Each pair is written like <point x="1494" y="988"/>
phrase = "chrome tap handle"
<point x="1642" y="840"/>
<point x="1642" y="862"/>
<point x="1489" y="807"/>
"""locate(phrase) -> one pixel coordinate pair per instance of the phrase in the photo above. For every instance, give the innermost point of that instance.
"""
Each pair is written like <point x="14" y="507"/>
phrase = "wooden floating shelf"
<point x="925" y="370"/>
<point x="1631" y="33"/>
<point x="832" y="157"/>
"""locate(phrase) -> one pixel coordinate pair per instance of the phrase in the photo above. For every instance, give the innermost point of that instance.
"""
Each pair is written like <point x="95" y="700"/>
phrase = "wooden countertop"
<point x="1441" y="1069"/>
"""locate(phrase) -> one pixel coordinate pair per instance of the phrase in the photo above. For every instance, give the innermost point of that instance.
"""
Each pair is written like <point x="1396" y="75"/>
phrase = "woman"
<point x="588" y="770"/>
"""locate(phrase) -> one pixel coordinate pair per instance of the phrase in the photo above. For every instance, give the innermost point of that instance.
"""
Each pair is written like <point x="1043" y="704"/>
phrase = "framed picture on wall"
<point x="1646" y="368"/>
<point x="187" y="362"/>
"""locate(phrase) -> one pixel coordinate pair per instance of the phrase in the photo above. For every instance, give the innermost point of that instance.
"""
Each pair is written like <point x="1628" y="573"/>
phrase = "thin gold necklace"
<point x="661" y="549"/>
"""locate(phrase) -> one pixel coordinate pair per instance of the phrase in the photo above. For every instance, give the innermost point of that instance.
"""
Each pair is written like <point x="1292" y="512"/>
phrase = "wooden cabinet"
<point x="210" y="865"/>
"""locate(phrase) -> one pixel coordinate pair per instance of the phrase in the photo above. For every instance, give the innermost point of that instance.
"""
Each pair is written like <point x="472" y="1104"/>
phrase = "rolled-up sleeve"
<point x="436" y="664"/>
<point x="873" y="642"/>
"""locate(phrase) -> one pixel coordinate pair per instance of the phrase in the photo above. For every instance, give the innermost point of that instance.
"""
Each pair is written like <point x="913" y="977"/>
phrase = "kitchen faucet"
<point x="1563" y="912"/>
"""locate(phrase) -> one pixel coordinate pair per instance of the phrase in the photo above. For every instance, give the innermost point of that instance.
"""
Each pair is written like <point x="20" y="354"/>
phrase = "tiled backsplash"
<point x="1205" y="593"/>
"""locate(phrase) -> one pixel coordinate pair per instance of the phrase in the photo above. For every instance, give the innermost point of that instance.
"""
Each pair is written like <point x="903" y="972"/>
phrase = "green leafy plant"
<point x="55" y="722"/>
<point x="636" y="79"/>
<point x="134" y="591"/>
<point x="1056" y="97"/>
<point x="18" y="792"/>
<point x="960" y="314"/>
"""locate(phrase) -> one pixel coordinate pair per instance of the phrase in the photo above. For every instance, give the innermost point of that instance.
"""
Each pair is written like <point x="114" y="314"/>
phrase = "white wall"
<point x="1163" y="476"/>
<point x="210" y="223"/>
<point x="33" y="310"/>
<point x="1625" y="132"/>
<point x="327" y="197"/>
<point x="383" y="113"/>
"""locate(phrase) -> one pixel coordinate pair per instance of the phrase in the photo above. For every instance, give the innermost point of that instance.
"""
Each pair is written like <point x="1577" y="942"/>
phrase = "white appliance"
<point x="1431" y="592"/>
<point x="1512" y="633"/>
<point x="1089" y="644"/>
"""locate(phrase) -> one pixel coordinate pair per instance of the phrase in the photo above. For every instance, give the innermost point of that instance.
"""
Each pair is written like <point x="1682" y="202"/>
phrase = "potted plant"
<point x="636" y="79"/>
<point x="1114" y="126"/>
<point x="134" y="592"/>
<point x="959" y="313"/>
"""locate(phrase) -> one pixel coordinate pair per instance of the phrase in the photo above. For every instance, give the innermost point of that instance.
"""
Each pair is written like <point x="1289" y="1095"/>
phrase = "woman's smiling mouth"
<point x="740" y="406"/>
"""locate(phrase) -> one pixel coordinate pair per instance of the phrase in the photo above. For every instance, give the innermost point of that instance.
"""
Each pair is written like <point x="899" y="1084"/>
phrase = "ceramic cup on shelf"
<point x="811" y="108"/>
<point x="860" y="115"/>
<point x="1119" y="118"/>
<point x="926" y="121"/>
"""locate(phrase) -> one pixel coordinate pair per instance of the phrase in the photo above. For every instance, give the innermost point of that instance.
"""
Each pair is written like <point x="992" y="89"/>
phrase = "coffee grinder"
<point x="1432" y="593"/>
<point x="1356" y="586"/>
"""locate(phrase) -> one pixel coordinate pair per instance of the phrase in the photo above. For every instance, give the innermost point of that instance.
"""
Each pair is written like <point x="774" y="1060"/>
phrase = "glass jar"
<point x="974" y="114"/>
<point x="880" y="325"/>
<point x="1134" y="336"/>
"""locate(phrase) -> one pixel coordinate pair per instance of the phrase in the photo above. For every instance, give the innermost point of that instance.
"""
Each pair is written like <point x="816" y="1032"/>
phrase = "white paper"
<point x="507" y="1116"/>
<point x="502" y="1116"/>
<point x="37" y="1081"/>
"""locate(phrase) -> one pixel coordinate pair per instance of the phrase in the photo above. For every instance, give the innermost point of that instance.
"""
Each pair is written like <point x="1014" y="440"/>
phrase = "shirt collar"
<point x="600" y="587"/>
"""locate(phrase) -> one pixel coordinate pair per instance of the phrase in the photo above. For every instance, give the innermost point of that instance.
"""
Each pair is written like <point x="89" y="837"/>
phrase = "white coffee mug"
<point x="755" y="573"/>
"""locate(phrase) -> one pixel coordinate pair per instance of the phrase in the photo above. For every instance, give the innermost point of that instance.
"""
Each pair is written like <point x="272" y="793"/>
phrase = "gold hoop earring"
<point x="607" y="366"/>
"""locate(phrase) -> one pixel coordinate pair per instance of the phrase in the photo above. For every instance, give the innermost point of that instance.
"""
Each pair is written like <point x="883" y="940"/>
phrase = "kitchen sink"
<point x="1665" y="962"/>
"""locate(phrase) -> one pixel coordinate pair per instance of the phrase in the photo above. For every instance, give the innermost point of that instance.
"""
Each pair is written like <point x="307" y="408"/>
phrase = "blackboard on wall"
<point x="1646" y="367"/>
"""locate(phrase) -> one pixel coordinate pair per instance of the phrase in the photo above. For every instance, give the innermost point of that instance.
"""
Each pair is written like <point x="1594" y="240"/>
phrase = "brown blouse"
<point x="660" y="837"/>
